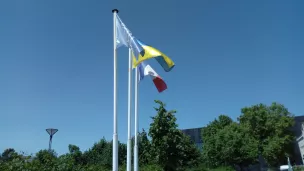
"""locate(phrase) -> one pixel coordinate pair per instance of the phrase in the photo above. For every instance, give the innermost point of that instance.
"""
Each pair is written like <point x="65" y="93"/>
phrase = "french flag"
<point x="147" y="70"/>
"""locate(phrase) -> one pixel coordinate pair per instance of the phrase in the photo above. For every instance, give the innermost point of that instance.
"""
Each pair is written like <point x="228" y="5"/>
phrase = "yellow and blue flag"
<point x="141" y="51"/>
<point x="150" y="52"/>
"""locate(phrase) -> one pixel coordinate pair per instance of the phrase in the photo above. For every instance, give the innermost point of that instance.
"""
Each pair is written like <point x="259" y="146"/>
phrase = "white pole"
<point x="115" y="134"/>
<point x="136" y="121"/>
<point x="129" y="113"/>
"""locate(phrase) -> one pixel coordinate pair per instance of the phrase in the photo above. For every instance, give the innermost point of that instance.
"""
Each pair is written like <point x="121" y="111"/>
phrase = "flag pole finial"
<point x="115" y="11"/>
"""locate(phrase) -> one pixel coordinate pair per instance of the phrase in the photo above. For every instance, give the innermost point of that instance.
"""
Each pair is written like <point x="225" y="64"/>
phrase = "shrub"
<point x="298" y="168"/>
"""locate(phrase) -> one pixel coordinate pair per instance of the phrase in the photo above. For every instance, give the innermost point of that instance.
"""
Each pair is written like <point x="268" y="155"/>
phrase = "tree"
<point x="226" y="143"/>
<point x="144" y="148"/>
<point x="212" y="128"/>
<point x="270" y="127"/>
<point x="211" y="151"/>
<point x="190" y="156"/>
<point x="211" y="145"/>
<point x="169" y="145"/>
<point x="46" y="156"/>
<point x="8" y="154"/>
<point x="101" y="154"/>
<point x="76" y="154"/>
<point x="45" y="160"/>
<point x="236" y="146"/>
<point x="122" y="153"/>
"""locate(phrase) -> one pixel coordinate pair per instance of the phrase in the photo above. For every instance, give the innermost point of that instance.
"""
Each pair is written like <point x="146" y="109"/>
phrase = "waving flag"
<point x="150" y="52"/>
<point x="140" y="50"/>
<point x="147" y="70"/>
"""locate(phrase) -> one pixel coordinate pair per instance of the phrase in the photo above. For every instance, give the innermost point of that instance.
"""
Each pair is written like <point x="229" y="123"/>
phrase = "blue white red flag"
<point x="147" y="70"/>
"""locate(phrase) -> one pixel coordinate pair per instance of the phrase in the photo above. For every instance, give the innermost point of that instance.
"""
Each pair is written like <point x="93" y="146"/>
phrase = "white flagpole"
<point x="115" y="134"/>
<point x="136" y="121"/>
<point x="129" y="112"/>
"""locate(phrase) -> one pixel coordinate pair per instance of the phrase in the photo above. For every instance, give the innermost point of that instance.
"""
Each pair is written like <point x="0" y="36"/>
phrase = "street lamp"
<point x="51" y="132"/>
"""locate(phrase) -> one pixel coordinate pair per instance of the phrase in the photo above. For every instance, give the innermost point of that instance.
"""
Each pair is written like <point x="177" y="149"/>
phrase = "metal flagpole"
<point x="136" y="121"/>
<point x="129" y="112"/>
<point x="115" y="135"/>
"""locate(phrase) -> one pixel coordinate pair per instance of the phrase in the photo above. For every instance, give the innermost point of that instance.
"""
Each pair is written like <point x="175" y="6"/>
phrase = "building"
<point x="298" y="130"/>
<point x="195" y="136"/>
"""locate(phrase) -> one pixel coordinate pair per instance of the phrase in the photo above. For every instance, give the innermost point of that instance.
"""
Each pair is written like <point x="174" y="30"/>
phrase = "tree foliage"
<point x="270" y="127"/>
<point x="260" y="130"/>
<point x="144" y="148"/>
<point x="169" y="146"/>
<point x="226" y="143"/>
<point x="8" y="154"/>
<point x="169" y="149"/>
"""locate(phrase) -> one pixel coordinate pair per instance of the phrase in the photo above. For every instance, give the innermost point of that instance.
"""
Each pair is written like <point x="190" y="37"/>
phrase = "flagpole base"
<point x="115" y="153"/>
<point x="115" y="11"/>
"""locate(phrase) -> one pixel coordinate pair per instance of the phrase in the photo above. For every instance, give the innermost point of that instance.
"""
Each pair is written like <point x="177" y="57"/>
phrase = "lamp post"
<point x="51" y="132"/>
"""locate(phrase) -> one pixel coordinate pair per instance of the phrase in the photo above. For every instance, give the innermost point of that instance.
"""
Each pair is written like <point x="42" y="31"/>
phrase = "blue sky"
<point x="56" y="64"/>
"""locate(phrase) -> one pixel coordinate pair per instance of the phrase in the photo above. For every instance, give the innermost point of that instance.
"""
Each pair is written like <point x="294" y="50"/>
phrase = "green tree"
<point x="226" y="143"/>
<point x="270" y="126"/>
<point x="95" y="159"/>
<point x="169" y="146"/>
<point x="101" y="154"/>
<point x="212" y="143"/>
<point x="122" y="153"/>
<point x="144" y="148"/>
<point x="12" y="161"/>
<point x="9" y="154"/>
<point x="46" y="159"/>
<point x="76" y="154"/>
<point x="212" y="128"/>
<point x="67" y="162"/>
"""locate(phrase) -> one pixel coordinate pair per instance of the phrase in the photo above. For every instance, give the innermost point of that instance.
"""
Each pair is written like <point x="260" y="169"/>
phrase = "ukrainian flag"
<point x="141" y="51"/>
<point x="149" y="52"/>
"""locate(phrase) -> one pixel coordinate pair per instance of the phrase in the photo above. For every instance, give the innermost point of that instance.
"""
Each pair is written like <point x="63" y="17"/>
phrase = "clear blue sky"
<point x="56" y="64"/>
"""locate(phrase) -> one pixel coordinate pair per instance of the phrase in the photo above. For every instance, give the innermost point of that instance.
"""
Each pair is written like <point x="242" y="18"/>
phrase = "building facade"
<point x="298" y="131"/>
<point x="195" y="136"/>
